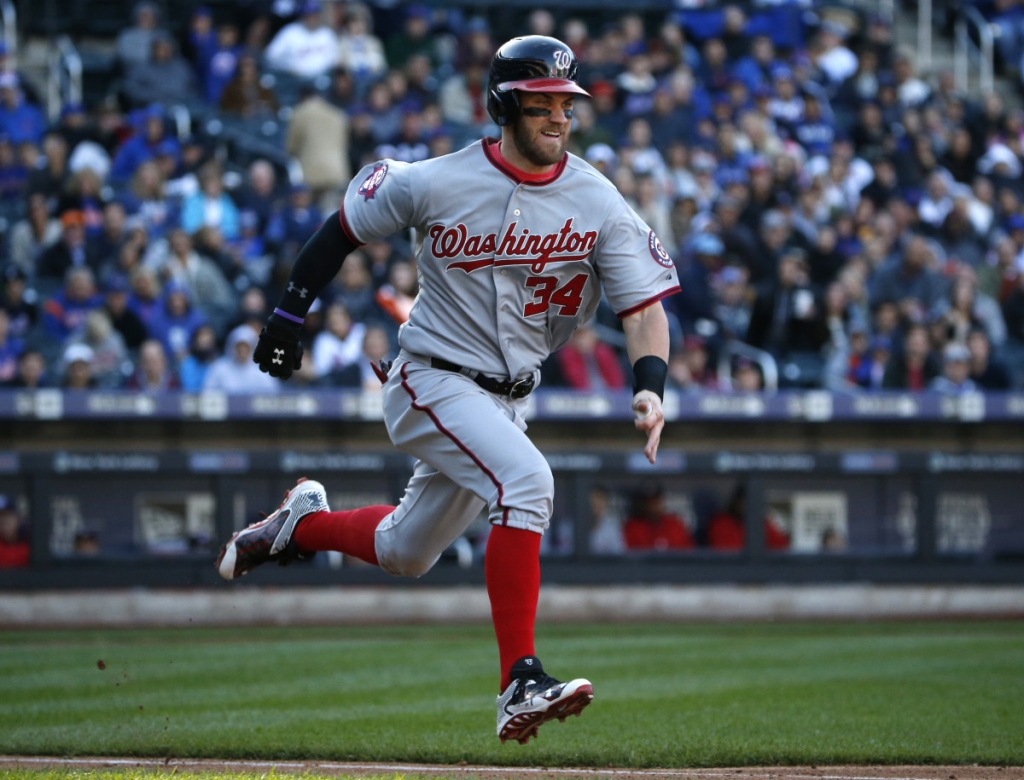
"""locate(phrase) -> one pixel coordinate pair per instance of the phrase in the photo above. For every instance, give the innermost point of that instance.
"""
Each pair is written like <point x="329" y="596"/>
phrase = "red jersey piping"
<point x="492" y="150"/>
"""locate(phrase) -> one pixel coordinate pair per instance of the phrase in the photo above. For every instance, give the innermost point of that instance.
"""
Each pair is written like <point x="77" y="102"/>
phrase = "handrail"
<point x="964" y="48"/>
<point x="9" y="20"/>
<point x="64" y="84"/>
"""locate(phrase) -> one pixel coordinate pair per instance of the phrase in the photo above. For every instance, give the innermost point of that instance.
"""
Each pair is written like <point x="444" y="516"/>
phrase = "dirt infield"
<point x="516" y="773"/>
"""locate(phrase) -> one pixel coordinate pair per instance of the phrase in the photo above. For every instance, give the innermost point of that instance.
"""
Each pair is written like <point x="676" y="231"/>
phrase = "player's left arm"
<point x="647" y="343"/>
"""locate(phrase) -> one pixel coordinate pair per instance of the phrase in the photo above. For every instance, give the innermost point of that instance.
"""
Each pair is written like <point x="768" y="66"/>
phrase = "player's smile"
<point x="542" y="132"/>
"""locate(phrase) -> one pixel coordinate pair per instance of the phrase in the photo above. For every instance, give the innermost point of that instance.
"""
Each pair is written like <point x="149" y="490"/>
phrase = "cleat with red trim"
<point x="271" y="538"/>
<point x="533" y="698"/>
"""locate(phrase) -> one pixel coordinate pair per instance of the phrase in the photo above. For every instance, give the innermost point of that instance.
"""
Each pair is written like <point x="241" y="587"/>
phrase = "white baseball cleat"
<point x="270" y="539"/>
<point x="533" y="698"/>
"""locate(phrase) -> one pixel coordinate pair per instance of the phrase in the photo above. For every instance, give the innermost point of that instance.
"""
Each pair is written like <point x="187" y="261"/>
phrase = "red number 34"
<point x="546" y="292"/>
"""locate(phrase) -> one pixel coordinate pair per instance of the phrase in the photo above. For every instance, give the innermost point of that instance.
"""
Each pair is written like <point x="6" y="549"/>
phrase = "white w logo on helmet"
<point x="563" y="60"/>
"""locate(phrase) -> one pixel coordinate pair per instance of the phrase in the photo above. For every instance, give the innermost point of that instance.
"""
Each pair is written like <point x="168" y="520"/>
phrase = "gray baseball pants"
<point x="472" y="453"/>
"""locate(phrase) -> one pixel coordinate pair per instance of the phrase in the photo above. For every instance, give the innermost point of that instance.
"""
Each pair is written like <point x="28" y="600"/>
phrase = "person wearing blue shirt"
<point x="814" y="132"/>
<point x="20" y="121"/>
<point x="175" y="321"/>
<point x="150" y="133"/>
<point x="222" y="62"/>
<point x="211" y="206"/>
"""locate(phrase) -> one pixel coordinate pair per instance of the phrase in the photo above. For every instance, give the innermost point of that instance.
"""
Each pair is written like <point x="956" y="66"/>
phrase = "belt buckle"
<point x="521" y="388"/>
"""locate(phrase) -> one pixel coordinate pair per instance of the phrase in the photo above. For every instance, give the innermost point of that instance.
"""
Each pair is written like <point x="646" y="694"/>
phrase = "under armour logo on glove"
<point x="278" y="355"/>
<point x="302" y="292"/>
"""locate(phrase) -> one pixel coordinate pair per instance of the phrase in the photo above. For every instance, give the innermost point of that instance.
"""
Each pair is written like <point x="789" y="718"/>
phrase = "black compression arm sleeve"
<point x="317" y="264"/>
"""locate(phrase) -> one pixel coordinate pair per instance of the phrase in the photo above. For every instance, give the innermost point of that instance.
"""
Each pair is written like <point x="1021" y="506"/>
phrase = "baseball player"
<point x="515" y="238"/>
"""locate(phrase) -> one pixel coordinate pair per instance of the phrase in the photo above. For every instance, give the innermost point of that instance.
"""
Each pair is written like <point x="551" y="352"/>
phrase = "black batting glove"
<point x="278" y="351"/>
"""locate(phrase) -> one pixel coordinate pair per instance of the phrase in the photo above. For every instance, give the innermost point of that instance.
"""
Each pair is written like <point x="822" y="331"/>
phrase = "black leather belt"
<point x="514" y="389"/>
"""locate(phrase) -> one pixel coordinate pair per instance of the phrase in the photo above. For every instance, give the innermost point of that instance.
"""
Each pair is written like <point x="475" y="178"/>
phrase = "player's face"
<point x="542" y="131"/>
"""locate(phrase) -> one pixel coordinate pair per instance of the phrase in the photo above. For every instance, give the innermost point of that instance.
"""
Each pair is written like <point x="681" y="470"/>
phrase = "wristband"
<point x="287" y="316"/>
<point x="649" y="373"/>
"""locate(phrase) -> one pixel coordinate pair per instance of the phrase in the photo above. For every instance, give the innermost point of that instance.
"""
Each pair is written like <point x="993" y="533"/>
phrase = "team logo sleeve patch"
<point x="658" y="251"/>
<point x="373" y="182"/>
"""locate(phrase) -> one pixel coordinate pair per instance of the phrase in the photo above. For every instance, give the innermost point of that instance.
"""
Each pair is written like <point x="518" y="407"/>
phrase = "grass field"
<point x="666" y="695"/>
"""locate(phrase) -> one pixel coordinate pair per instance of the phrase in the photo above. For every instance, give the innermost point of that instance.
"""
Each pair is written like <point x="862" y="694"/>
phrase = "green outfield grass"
<point x="666" y="695"/>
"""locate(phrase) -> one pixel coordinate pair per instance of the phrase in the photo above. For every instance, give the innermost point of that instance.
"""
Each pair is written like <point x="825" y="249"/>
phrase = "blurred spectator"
<point x="731" y="307"/>
<point x="606" y="535"/>
<point x="985" y="371"/>
<point x="353" y="289"/>
<point x="175" y="320"/>
<point x="150" y="133"/>
<point x="105" y="245"/>
<point x="338" y="346"/>
<point x="65" y="312"/>
<point x="317" y="139"/>
<point x="245" y="94"/>
<point x="688" y="369"/>
<point x="166" y="78"/>
<point x="298" y="220"/>
<point x="360" y="52"/>
<point x="695" y="301"/>
<point x="650" y="527"/>
<point x="727" y="529"/>
<point x="20" y="121"/>
<point x="305" y="48"/>
<point x="871" y="369"/>
<point x="252" y="309"/>
<point x="52" y="178"/>
<point x="916" y="367"/>
<point x="87" y="543"/>
<point x="235" y="373"/>
<point x="414" y="37"/>
<point x="956" y="367"/>
<point x="360" y="374"/>
<point x="11" y="348"/>
<point x="69" y="252"/>
<point x="207" y="288"/>
<point x="115" y="306"/>
<point x="397" y="297"/>
<point x="259" y="194"/>
<point x="965" y="308"/>
<point x="746" y="376"/>
<point x="31" y="371"/>
<point x="109" y="356"/>
<point x="14" y="542"/>
<point x="13" y="173"/>
<point x="77" y="368"/>
<point x="144" y="299"/>
<point x="211" y="206"/>
<point x="135" y="43"/>
<point x="18" y="302"/>
<point x="787" y="317"/>
<point x="31" y="236"/>
<point x="201" y="41"/>
<point x="223" y="60"/>
<point x="201" y="355"/>
<point x="153" y="374"/>
<point x="587" y="363"/>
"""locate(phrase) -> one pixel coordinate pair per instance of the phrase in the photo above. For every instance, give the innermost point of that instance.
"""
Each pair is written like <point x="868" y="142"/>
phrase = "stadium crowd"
<point x="832" y="212"/>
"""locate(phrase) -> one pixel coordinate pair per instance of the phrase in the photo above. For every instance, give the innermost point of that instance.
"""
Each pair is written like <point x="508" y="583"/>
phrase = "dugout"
<point x="893" y="488"/>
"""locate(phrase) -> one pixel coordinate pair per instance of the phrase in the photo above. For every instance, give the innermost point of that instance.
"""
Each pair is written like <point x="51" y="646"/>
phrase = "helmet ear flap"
<point x="503" y="106"/>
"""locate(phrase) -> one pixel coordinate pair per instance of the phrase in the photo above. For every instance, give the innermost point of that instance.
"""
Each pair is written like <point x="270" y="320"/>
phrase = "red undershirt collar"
<point x="492" y="150"/>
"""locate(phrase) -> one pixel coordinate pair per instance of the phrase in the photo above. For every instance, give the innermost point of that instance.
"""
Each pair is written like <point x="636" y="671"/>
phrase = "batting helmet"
<point x="534" y="63"/>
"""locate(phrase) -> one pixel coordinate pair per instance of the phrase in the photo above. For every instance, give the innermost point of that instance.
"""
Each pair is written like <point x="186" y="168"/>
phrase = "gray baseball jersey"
<point x="508" y="267"/>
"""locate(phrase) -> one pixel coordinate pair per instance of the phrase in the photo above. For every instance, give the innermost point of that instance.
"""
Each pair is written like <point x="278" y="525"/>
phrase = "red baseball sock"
<point x="347" y="532"/>
<point x="512" y="572"/>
